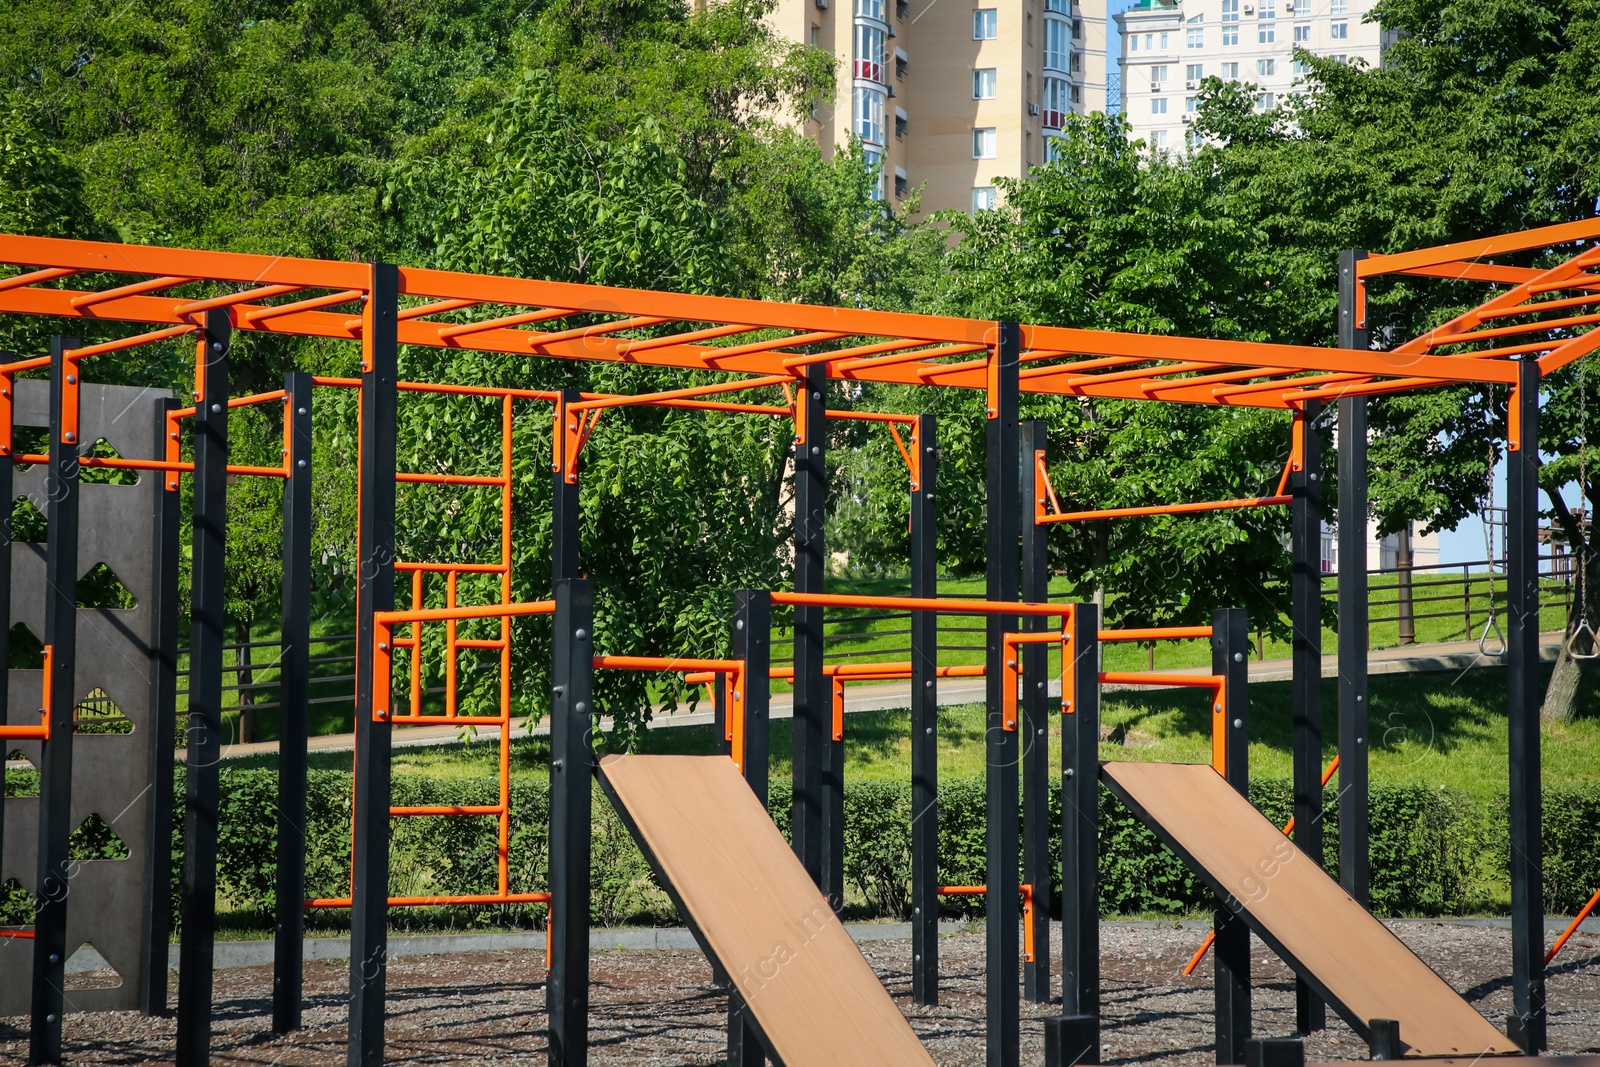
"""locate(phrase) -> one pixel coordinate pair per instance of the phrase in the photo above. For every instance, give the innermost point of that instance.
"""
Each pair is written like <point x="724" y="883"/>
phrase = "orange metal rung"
<point x="1156" y="633"/>
<point x="441" y="900"/>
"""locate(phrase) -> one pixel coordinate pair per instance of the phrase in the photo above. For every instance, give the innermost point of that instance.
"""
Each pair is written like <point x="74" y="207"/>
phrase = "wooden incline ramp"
<point x="757" y="916"/>
<point x="1347" y="956"/>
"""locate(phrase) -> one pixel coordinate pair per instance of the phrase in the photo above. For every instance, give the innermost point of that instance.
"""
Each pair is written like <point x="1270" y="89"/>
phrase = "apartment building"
<point x="950" y="97"/>
<point x="1170" y="46"/>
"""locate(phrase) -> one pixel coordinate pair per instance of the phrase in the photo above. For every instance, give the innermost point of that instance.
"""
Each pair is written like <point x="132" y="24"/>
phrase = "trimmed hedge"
<point x="1434" y="852"/>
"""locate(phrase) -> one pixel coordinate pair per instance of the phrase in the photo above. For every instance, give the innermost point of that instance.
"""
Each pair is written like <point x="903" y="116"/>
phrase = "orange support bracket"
<point x="1572" y="927"/>
<point x="42" y="731"/>
<point x="1025" y="889"/>
<point x="1042" y="489"/>
<point x="1012" y="665"/>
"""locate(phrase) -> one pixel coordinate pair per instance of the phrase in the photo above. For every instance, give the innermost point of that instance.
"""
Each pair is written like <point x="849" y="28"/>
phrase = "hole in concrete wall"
<point x="26" y="651"/>
<point x="102" y="449"/>
<point x="30" y="441"/>
<point x="87" y="969"/>
<point x="17" y="906"/>
<point x="28" y="522"/>
<point x="22" y="777"/>
<point x="94" y="839"/>
<point x="97" y="713"/>
<point x="101" y="588"/>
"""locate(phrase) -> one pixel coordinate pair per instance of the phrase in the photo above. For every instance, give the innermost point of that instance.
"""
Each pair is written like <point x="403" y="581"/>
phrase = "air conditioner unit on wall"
<point x="822" y="5"/>
<point x="1033" y="109"/>
<point x="1191" y="85"/>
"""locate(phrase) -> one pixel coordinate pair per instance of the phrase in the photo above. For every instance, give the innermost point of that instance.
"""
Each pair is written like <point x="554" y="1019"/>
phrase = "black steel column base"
<point x="1071" y="1039"/>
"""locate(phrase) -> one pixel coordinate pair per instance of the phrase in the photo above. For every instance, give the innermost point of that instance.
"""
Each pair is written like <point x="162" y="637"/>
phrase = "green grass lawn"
<point x="1434" y="728"/>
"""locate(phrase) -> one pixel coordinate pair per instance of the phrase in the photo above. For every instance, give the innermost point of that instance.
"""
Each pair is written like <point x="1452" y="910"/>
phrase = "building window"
<point x="1230" y="36"/>
<point x="1077" y="94"/>
<point x="1158" y="105"/>
<point x="1302" y="33"/>
<point x="1230" y="71"/>
<point x="1133" y="42"/>
<point x="1266" y="68"/>
<point x="874" y="162"/>
<point x="1197" y="37"/>
<point x="902" y="185"/>
<point x="1267" y="33"/>
<point x="1060" y="7"/>
<point x="816" y="36"/>
<point x="983" y="84"/>
<point x="1056" y="44"/>
<point x="1149" y="42"/>
<point x="983" y="143"/>
<point x="1194" y="72"/>
<point x="872" y="9"/>
<point x="983" y="199"/>
<point x="1191" y="104"/>
<point x="1339" y="31"/>
<point x="1301" y="67"/>
<point x="1340" y="59"/>
<point x="1075" y="63"/>
<point x="1160" y="139"/>
<point x="899" y="124"/>
<point x="1164" y="44"/>
<point x="871" y="53"/>
<point x="1055" y="103"/>
<point x="1302" y="8"/>
<point x="869" y="105"/>
<point x="1157" y="76"/>
<point x="1230" y="22"/>
<point x="901" y="64"/>
<point x="1052" y="149"/>
<point x="985" y="24"/>
<point x="1077" y="29"/>
<point x="1264" y="101"/>
<point x="1339" y="7"/>
<point x="1269" y="10"/>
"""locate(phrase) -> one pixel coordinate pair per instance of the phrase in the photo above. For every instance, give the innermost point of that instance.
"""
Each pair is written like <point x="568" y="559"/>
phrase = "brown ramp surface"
<point x="1317" y="928"/>
<point x="756" y="914"/>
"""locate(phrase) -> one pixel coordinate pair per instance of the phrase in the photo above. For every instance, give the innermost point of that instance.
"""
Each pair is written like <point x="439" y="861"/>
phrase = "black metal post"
<point x="1230" y="657"/>
<point x="571" y="773"/>
<point x="1385" y="1042"/>
<point x="55" y="771"/>
<point x="154" y="962"/>
<point x="564" y="525"/>
<point x="1305" y="593"/>
<point x="751" y="643"/>
<point x="294" y="682"/>
<point x="1080" y="821"/>
<point x="1035" y="726"/>
<point x="369" y="908"/>
<point x="1071" y="1039"/>
<point x="925" y="722"/>
<point x="1353" y="848"/>
<point x="813" y="818"/>
<point x="719" y="715"/>
<point x="1528" y="1023"/>
<point x="1275" y="1052"/>
<point x="1003" y="1022"/>
<point x="203" y="742"/>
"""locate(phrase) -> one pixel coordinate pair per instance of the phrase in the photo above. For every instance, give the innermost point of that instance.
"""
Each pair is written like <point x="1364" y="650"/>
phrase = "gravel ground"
<point x="660" y="1007"/>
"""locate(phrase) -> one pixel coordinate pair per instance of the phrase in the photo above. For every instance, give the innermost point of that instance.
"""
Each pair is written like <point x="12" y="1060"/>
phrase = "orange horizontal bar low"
<point x="26" y="935"/>
<point x="445" y="720"/>
<point x="911" y="603"/>
<point x="441" y="900"/>
<point x="472" y="642"/>
<point x="346" y="383"/>
<point x="25" y="733"/>
<point x="148" y="465"/>
<point x="872" y="416"/>
<point x="447" y="479"/>
<point x="665" y="663"/>
<point x="485" y="611"/>
<point x="1168" y="509"/>
<point x="872" y="672"/>
<point x="441" y="568"/>
<point x="1153" y="678"/>
<point x="233" y="402"/>
<point x="963" y="890"/>
<point x="1156" y="633"/>
<point x="448" y="809"/>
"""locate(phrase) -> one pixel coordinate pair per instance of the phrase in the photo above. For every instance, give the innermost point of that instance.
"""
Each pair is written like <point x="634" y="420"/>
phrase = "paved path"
<point x="1448" y="656"/>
